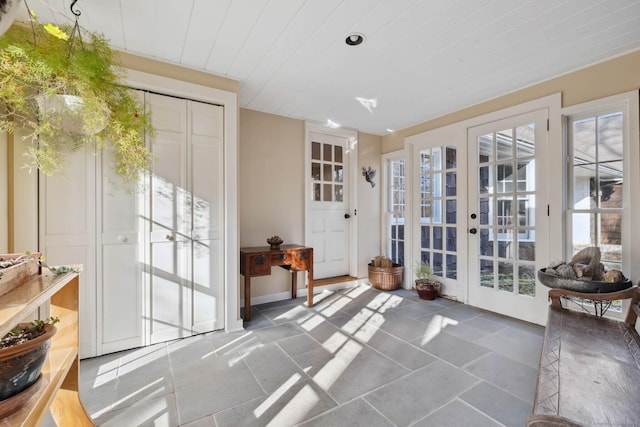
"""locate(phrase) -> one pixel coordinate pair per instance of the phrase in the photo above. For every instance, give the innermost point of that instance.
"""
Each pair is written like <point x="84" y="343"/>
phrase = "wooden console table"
<point x="259" y="260"/>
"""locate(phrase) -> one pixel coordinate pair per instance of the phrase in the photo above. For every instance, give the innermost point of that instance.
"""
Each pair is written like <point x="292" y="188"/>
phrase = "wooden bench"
<point x="589" y="373"/>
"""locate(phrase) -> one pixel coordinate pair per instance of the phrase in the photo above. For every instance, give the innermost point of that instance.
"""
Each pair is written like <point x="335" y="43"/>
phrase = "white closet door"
<point x="207" y="172"/>
<point x="169" y="290"/>
<point x="120" y="263"/>
<point x="68" y="232"/>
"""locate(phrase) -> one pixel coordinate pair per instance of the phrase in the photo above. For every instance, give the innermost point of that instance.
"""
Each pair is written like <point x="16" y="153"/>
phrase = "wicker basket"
<point x="386" y="278"/>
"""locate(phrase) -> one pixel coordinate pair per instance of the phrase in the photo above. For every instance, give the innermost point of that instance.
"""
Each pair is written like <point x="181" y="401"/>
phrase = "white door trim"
<point x="352" y="150"/>
<point x="229" y="100"/>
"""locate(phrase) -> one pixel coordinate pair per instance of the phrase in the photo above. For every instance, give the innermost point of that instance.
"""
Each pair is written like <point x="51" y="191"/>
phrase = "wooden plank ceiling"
<point x="420" y="59"/>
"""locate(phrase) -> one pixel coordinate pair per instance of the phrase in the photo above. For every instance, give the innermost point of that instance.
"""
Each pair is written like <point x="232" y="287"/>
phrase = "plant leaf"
<point x="56" y="31"/>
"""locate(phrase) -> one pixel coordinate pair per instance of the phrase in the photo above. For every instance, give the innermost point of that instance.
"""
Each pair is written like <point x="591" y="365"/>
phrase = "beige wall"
<point x="271" y="191"/>
<point x="369" y="208"/>
<point x="4" y="194"/>
<point x="611" y="77"/>
<point x="271" y="188"/>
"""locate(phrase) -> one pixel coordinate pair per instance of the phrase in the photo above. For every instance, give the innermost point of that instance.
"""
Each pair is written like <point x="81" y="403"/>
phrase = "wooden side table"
<point x="257" y="261"/>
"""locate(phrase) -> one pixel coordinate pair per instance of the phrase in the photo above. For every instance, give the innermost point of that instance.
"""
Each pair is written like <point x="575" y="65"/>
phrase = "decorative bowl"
<point x="274" y="242"/>
<point x="588" y="286"/>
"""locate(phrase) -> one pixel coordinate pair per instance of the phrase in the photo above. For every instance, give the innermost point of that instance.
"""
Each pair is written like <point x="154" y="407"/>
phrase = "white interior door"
<point x="508" y="216"/>
<point x="329" y="219"/>
<point x="169" y="293"/>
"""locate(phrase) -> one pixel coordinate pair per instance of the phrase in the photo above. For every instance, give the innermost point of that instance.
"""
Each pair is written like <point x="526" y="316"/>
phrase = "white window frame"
<point x="628" y="104"/>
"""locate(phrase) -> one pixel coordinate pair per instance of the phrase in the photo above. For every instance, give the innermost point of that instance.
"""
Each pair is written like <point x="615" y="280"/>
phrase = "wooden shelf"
<point x="59" y="387"/>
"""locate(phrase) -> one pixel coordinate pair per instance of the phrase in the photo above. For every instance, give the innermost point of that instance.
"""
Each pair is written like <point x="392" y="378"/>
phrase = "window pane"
<point x="451" y="211"/>
<point x="610" y="137"/>
<point x="486" y="273"/>
<point x="436" y="267"/>
<point x="425" y="237"/>
<point x="486" y="244"/>
<point x="527" y="251"/>
<point x="451" y="239"/>
<point x="452" y="266"/>
<point x="504" y="144"/>
<point x="315" y="150"/>
<point x="526" y="280"/>
<point x="611" y="236"/>
<point x="451" y="157"/>
<point x="583" y="186"/>
<point x="504" y="178"/>
<point x="337" y="173"/>
<point x="327" y="174"/>
<point x="505" y="276"/>
<point x="525" y="138"/>
<point x="505" y="243"/>
<point x="485" y="184"/>
<point x="610" y="185"/>
<point x="338" y="193"/>
<point x="484" y="212"/>
<point x="526" y="175"/>
<point x="338" y="153"/>
<point x="451" y="184"/>
<point x="315" y="171"/>
<point x="326" y="152"/>
<point x="326" y="192"/>
<point x="485" y="153"/>
<point x="583" y="225"/>
<point x="316" y="192"/>
<point x="584" y="141"/>
<point x="437" y="237"/>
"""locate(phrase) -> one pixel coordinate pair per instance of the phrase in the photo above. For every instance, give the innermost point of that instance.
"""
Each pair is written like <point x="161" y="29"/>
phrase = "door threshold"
<point x="333" y="280"/>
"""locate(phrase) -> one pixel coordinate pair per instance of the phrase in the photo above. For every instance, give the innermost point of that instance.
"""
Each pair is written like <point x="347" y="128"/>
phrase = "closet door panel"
<point x="169" y="289"/>
<point x="120" y="263"/>
<point x="207" y="173"/>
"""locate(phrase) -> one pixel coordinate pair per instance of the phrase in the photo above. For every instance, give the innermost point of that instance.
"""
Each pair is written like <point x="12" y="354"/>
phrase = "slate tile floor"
<point x="359" y="357"/>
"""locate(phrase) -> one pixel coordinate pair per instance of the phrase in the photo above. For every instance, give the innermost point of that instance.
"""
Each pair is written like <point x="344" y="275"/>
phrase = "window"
<point x="597" y="183"/>
<point x="602" y="183"/>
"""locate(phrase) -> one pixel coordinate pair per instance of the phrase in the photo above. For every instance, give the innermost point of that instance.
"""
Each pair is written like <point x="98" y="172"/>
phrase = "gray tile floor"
<point x="359" y="357"/>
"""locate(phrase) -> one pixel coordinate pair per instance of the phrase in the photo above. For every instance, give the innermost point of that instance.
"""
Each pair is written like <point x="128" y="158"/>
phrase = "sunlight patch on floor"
<point x="331" y="371"/>
<point x="106" y="373"/>
<point x="276" y="395"/>
<point x="437" y="324"/>
<point x="297" y="408"/>
<point x="384" y="302"/>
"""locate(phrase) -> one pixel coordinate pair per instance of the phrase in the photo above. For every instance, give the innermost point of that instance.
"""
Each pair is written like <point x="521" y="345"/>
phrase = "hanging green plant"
<point x="63" y="85"/>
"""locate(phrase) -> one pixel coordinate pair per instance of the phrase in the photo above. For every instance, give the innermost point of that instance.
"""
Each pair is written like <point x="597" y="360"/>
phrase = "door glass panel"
<point x="337" y="174"/>
<point x="438" y="198"/>
<point x="525" y="138"/>
<point x="338" y="193"/>
<point x="315" y="171"/>
<point x="507" y="229"/>
<point x="315" y="150"/>
<point x="327" y="150"/>
<point x="504" y="144"/>
<point x="338" y="153"/>
<point x="327" y="193"/>
<point x="396" y="207"/>
<point x="316" y="192"/>
<point x="327" y="174"/>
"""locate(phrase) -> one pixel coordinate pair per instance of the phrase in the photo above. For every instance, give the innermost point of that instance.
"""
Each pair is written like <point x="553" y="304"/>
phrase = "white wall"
<point x="4" y="196"/>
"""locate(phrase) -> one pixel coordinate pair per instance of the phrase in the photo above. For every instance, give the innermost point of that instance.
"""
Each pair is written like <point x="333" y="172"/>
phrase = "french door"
<point x="508" y="215"/>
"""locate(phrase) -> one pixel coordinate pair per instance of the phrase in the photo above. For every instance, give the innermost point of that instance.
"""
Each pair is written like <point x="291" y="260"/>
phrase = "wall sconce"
<point x="369" y="174"/>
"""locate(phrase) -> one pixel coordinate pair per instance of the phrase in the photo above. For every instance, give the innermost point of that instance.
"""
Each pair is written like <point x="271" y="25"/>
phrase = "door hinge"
<point x="547" y="125"/>
<point x="547" y="210"/>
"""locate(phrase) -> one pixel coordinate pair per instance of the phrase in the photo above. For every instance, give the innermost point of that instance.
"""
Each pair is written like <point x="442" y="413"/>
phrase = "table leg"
<point x="294" y="284"/>
<point x="247" y="297"/>
<point x="310" y="285"/>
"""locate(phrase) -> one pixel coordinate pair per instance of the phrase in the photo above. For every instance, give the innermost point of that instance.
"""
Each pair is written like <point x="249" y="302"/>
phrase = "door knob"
<point x="347" y="216"/>
<point x="473" y="230"/>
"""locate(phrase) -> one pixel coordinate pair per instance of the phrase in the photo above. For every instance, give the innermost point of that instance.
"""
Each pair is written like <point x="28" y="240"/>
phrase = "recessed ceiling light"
<point x="354" y="39"/>
<point x="390" y="130"/>
<point x="369" y="104"/>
